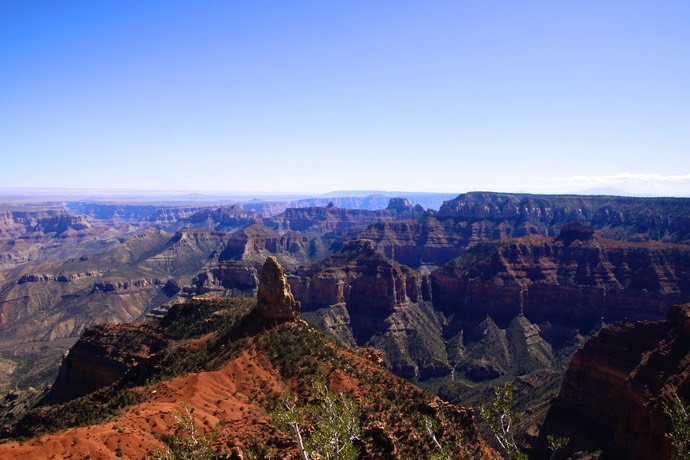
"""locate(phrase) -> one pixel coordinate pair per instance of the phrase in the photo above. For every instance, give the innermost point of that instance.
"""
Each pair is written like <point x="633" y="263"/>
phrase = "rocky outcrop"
<point x="417" y="243"/>
<point x="365" y="298"/>
<point x="412" y="342"/>
<point x="369" y="202"/>
<point x="260" y="240"/>
<point x="62" y="277"/>
<point x="16" y="223"/>
<point x="492" y="352"/>
<point x="612" y="394"/>
<point x="575" y="283"/>
<point x="62" y="224"/>
<point x="403" y="205"/>
<point x="334" y="221"/>
<point x="230" y="274"/>
<point x="219" y="219"/>
<point x="274" y="300"/>
<point x="101" y="356"/>
<point x="231" y="374"/>
<point x="621" y="218"/>
<point x="575" y="231"/>
<point x="529" y="351"/>
<point x="361" y="277"/>
<point x="488" y="354"/>
<point x="135" y="214"/>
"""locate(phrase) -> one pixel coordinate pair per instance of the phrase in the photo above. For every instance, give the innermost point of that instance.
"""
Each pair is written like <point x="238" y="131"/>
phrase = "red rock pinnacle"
<point x="275" y="301"/>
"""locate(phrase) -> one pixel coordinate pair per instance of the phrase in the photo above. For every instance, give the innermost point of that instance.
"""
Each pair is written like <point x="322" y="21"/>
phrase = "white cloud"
<point x="636" y="183"/>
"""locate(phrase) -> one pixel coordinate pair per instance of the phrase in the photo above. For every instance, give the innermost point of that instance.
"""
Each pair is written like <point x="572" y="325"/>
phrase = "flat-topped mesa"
<point x="275" y="301"/>
<point x="575" y="230"/>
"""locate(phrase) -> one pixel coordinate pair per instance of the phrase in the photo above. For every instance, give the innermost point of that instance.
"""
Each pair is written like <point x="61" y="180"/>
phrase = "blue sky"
<point x="258" y="96"/>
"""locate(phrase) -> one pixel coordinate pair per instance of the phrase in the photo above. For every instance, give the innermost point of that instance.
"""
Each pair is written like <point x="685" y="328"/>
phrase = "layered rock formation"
<point x="242" y="255"/>
<point x="51" y="235"/>
<point x="101" y="356"/>
<point x="367" y="202"/>
<point x="241" y="275"/>
<point x="540" y="296"/>
<point x="274" y="299"/>
<point x="492" y="352"/>
<point x="476" y="217"/>
<point x="365" y="298"/>
<point x="622" y="218"/>
<point x="57" y="302"/>
<point x="256" y="241"/>
<point x="574" y="283"/>
<point x="230" y="376"/>
<point x="331" y="221"/>
<point x="427" y="325"/>
<point x="116" y="286"/>
<point x="15" y="223"/>
<point x="360" y="276"/>
<point x="612" y="394"/>
<point x="135" y="214"/>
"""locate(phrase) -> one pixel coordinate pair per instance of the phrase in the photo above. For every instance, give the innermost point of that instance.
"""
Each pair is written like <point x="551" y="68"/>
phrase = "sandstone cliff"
<point x="621" y="218"/>
<point x="418" y="243"/>
<point x="15" y="223"/>
<point x="274" y="299"/>
<point x="472" y="218"/>
<point x="256" y="241"/>
<point x="219" y="219"/>
<point x="135" y="214"/>
<point x="365" y="298"/>
<point x="359" y="275"/>
<point x="570" y="283"/>
<point x="331" y="221"/>
<point x="101" y="357"/>
<point x="612" y="393"/>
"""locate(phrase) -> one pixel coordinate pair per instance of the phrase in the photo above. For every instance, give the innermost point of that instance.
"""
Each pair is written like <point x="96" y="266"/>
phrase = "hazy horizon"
<point x="67" y="194"/>
<point x="307" y="98"/>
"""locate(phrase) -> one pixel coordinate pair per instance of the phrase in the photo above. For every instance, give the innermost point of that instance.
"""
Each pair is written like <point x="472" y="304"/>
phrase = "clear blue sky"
<point x="296" y="96"/>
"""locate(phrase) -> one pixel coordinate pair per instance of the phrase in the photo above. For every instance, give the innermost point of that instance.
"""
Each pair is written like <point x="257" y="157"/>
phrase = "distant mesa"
<point x="275" y="300"/>
<point x="400" y="204"/>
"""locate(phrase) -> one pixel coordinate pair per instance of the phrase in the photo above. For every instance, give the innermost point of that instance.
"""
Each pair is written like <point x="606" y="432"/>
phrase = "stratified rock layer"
<point x="101" y="357"/>
<point x="612" y="394"/>
<point x="338" y="221"/>
<point x="615" y="217"/>
<point x="358" y="276"/>
<point x="364" y="297"/>
<point x="275" y="301"/>
<point x="577" y="282"/>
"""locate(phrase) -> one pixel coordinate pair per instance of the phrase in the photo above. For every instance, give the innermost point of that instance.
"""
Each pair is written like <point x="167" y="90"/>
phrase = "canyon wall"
<point x="612" y="394"/>
<point x="576" y="283"/>
<point x="621" y="218"/>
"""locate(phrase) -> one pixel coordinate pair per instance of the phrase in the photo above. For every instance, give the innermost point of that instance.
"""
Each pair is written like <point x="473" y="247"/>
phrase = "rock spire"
<point x="275" y="301"/>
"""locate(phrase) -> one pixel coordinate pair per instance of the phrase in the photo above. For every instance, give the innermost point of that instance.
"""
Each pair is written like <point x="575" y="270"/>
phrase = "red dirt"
<point x="227" y="396"/>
